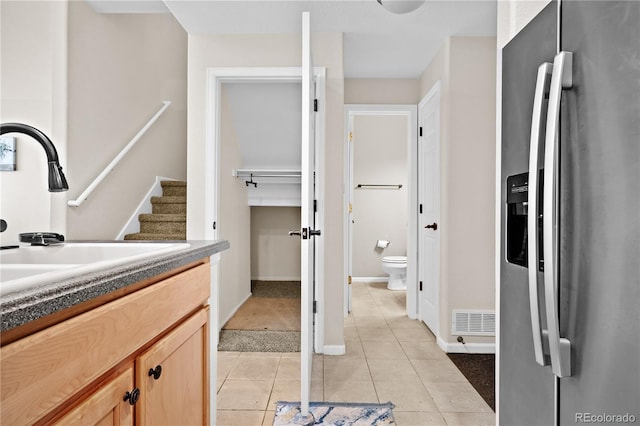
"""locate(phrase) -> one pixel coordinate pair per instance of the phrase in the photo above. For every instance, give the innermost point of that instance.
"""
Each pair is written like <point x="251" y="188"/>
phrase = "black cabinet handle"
<point x="155" y="372"/>
<point x="433" y="226"/>
<point x="132" y="396"/>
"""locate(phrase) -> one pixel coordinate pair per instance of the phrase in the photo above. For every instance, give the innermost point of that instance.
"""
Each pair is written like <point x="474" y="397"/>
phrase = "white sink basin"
<point x="29" y="267"/>
<point x="14" y="272"/>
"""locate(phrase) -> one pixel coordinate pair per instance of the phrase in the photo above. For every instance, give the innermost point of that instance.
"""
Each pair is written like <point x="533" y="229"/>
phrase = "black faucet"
<point x="57" y="181"/>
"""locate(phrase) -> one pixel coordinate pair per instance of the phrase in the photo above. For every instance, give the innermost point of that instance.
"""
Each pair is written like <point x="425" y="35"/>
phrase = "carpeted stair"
<point x="168" y="220"/>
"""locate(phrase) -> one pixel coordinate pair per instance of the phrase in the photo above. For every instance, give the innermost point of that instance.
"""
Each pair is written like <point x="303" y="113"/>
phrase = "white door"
<point x="308" y="215"/>
<point x="429" y="201"/>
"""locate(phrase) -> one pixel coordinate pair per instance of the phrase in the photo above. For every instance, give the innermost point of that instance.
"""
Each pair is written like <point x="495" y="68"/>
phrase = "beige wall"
<point x="379" y="157"/>
<point x="466" y="68"/>
<point x="275" y="256"/>
<point x="121" y="68"/>
<point x="63" y="72"/>
<point x="276" y="51"/>
<point x="234" y="222"/>
<point x="381" y="91"/>
<point x="33" y="76"/>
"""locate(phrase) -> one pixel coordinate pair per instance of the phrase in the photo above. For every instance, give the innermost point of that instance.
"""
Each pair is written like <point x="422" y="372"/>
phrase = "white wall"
<point x="283" y="50"/>
<point x="466" y="67"/>
<point x="379" y="157"/>
<point x="275" y="256"/>
<point x="233" y="221"/>
<point x="33" y="76"/>
<point x="121" y="68"/>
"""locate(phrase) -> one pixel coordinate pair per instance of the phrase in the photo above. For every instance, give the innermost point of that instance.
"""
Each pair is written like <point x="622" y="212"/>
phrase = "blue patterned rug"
<point x="334" y="414"/>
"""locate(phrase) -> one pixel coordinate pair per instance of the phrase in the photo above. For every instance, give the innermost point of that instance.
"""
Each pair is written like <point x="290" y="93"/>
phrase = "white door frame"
<point x="410" y="111"/>
<point x="434" y="318"/>
<point x="215" y="78"/>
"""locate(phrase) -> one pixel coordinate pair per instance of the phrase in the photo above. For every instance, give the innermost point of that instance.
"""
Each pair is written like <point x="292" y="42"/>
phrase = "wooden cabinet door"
<point x="178" y="392"/>
<point x="105" y="407"/>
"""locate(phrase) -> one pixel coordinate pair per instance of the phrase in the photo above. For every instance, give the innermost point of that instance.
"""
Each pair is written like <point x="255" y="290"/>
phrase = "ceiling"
<point x="377" y="43"/>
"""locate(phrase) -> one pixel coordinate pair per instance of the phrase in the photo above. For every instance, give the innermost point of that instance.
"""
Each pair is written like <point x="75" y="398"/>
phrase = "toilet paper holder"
<point x="382" y="244"/>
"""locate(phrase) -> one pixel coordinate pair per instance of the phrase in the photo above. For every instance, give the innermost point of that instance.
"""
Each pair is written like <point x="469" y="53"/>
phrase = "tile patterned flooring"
<point x="388" y="358"/>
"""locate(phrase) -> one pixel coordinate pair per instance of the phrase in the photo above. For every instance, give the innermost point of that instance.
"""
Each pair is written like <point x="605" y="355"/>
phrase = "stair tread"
<point x="169" y="199"/>
<point x="162" y="217"/>
<point x="173" y="183"/>
<point x="155" y="237"/>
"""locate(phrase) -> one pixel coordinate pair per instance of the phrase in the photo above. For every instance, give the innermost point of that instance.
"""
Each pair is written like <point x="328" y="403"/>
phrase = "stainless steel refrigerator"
<point x="570" y="272"/>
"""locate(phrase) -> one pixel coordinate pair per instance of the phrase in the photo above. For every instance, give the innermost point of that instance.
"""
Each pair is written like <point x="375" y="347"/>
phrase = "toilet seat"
<point x="395" y="259"/>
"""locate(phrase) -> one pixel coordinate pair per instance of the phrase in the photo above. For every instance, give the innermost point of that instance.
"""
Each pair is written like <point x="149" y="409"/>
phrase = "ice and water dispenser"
<point x="517" y="211"/>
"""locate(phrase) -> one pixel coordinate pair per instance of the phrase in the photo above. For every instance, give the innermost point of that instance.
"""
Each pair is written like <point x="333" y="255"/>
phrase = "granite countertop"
<point x="29" y="305"/>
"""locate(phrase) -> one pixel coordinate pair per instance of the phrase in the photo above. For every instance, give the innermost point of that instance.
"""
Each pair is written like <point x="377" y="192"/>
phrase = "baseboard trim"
<point x="466" y="348"/>
<point x="370" y="279"/>
<point x="233" y="312"/>
<point x="334" y="349"/>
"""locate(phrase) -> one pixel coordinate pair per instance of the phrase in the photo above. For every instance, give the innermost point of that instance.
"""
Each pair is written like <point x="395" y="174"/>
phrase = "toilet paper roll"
<point x="382" y="243"/>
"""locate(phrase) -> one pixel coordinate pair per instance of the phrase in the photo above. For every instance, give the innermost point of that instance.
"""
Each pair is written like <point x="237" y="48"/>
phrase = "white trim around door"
<point x="410" y="111"/>
<point x="215" y="78"/>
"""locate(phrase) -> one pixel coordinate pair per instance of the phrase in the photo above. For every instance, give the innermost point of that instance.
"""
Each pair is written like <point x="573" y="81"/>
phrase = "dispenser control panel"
<point x="517" y="212"/>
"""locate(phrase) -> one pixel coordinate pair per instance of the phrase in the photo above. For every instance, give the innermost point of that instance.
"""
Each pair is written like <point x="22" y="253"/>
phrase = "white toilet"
<point x="396" y="267"/>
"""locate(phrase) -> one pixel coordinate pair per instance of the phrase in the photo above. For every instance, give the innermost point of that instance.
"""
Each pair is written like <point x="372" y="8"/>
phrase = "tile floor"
<point x="388" y="358"/>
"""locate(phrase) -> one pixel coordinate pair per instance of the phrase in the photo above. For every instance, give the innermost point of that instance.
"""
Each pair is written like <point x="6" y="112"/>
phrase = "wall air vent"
<point x="473" y="323"/>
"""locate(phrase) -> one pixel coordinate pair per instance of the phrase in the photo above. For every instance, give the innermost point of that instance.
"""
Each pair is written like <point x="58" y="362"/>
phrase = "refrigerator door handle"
<point x="541" y="91"/>
<point x="559" y="348"/>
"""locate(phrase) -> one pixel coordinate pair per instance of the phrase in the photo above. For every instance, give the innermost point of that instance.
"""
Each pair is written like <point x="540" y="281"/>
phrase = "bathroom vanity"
<point x="125" y="344"/>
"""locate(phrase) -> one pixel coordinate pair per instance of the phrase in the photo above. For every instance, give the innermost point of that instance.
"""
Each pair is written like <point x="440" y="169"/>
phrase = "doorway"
<point x="217" y="78"/>
<point x="381" y="176"/>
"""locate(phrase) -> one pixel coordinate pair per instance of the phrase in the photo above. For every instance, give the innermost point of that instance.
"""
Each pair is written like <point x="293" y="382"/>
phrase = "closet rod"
<point x="267" y="173"/>
<point x="369" y="186"/>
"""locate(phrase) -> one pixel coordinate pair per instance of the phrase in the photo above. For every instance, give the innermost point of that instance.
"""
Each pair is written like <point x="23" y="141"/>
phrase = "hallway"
<point x="388" y="358"/>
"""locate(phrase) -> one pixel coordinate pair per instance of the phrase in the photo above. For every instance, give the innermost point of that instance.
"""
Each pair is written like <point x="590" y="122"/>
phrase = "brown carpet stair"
<point x="168" y="220"/>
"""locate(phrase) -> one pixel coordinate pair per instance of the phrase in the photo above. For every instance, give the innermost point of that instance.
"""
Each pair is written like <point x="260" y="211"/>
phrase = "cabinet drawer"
<point x="42" y="371"/>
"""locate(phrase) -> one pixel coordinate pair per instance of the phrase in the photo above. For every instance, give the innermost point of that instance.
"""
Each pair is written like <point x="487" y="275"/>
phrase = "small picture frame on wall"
<point x="7" y="154"/>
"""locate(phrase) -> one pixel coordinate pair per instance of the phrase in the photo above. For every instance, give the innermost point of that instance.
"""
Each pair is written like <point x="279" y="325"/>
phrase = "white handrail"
<point x="116" y="160"/>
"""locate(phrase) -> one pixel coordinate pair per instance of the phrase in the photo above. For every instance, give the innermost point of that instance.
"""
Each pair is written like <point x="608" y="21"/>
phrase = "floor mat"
<point x="330" y="413"/>
<point x="259" y="341"/>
